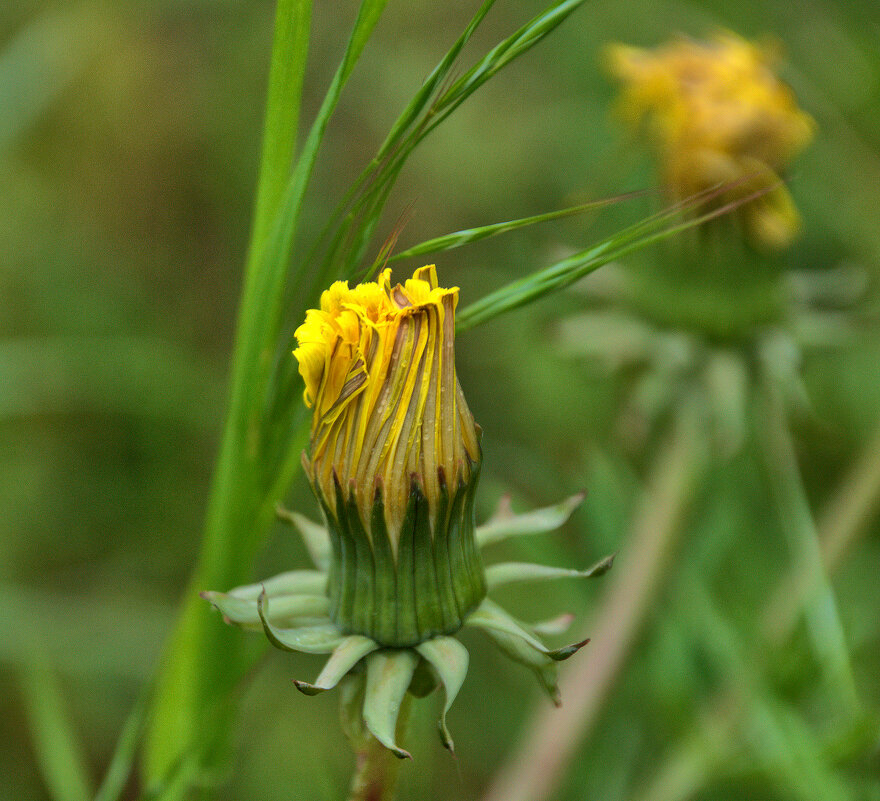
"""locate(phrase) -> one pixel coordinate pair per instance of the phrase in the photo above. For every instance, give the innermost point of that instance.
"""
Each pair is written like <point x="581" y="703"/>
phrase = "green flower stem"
<point x="377" y="769"/>
<point x="553" y="737"/>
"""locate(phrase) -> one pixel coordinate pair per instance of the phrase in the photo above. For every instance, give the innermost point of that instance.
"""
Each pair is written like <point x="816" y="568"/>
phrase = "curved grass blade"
<point x="450" y="659"/>
<point x="59" y="752"/>
<point x="496" y="59"/>
<point x="469" y="235"/>
<point x="558" y="276"/>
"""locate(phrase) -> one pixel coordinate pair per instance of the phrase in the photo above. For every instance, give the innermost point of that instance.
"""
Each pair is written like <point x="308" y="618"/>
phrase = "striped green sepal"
<point x="427" y="588"/>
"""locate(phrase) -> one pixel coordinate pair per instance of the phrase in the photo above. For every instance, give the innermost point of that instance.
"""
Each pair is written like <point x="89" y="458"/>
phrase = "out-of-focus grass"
<point x="127" y="165"/>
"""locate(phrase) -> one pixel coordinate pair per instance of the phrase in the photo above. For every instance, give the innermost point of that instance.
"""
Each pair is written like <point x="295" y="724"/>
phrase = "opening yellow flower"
<point x="717" y="113"/>
<point x="394" y="453"/>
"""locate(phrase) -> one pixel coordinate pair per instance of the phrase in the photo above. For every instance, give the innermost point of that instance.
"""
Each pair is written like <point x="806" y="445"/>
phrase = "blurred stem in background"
<point x="554" y="736"/>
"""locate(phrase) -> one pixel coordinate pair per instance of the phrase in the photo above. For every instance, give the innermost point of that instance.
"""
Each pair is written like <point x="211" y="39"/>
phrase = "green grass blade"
<point x="125" y="753"/>
<point x="205" y="661"/>
<point x="418" y="120"/>
<point x="292" y="24"/>
<point x="404" y="122"/>
<point x="500" y="56"/>
<point x="565" y="272"/>
<point x="59" y="754"/>
<point x="469" y="235"/>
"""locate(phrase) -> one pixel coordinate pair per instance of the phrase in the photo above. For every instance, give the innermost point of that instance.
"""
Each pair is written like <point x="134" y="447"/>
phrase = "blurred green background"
<point x="129" y="144"/>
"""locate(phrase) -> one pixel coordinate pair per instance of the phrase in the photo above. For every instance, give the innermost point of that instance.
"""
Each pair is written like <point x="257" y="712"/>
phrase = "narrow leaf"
<point x="469" y="235"/>
<point x="450" y="659"/>
<point x="504" y="523"/>
<point x="60" y="755"/>
<point x="292" y="24"/>
<point x="388" y="676"/>
<point x="558" y="276"/>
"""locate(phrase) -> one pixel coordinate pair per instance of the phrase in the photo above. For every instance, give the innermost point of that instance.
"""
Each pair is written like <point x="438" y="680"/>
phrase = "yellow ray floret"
<point x="379" y="368"/>
<point x="717" y="113"/>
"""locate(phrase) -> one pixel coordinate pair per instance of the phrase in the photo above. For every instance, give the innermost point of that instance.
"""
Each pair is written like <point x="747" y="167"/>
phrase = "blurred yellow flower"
<point x="717" y="114"/>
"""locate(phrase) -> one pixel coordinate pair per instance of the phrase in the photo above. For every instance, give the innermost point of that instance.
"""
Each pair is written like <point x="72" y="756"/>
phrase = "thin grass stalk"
<point x="553" y="736"/>
<point x="844" y="517"/>
<point x="691" y="764"/>
<point x="796" y="520"/>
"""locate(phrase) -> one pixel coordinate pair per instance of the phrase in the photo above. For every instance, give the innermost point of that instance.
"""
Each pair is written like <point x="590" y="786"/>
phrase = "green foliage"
<point x="128" y="156"/>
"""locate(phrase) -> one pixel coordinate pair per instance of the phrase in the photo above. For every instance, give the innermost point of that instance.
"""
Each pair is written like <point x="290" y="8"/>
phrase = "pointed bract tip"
<point x="602" y="566"/>
<point x="561" y="654"/>
<point x="401" y="754"/>
<point x="307" y="689"/>
<point x="445" y="738"/>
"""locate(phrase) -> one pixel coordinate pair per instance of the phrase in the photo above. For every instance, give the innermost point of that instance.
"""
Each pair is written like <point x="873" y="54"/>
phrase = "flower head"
<point x="717" y="113"/>
<point x="379" y="367"/>
<point x="393" y="456"/>
<point x="393" y="460"/>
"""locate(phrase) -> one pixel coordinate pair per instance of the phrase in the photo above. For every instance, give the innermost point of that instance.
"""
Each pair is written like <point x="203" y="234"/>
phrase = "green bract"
<point x="326" y="610"/>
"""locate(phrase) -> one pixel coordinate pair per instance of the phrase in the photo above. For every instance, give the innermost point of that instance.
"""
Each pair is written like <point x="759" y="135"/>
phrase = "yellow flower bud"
<point x="393" y="446"/>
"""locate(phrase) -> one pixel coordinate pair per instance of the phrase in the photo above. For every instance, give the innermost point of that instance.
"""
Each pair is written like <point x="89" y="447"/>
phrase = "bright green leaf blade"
<point x="320" y="639"/>
<point x="469" y="235"/>
<point x="450" y="659"/>
<point x="513" y="572"/>
<point x="60" y="755"/>
<point x="283" y="609"/>
<point x="347" y="654"/>
<point x="388" y="676"/>
<point x="204" y="662"/>
<point x="292" y="25"/>
<point x="314" y="536"/>
<point x="504" y="523"/>
<point x="291" y="582"/>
